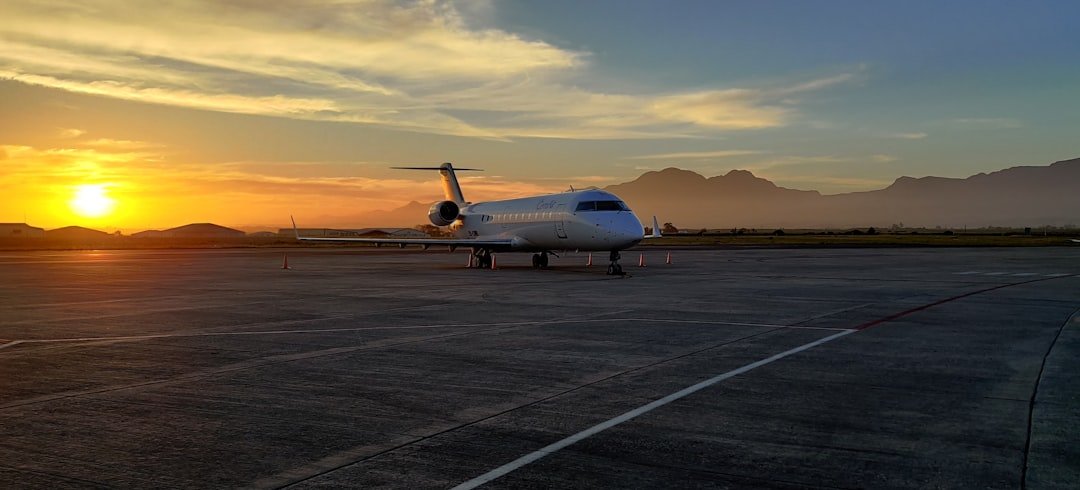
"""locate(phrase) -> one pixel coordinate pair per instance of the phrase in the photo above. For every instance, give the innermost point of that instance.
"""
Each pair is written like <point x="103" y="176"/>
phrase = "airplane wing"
<point x="424" y="242"/>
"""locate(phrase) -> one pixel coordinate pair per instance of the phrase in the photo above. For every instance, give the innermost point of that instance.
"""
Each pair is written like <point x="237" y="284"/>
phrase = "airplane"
<point x="588" y="220"/>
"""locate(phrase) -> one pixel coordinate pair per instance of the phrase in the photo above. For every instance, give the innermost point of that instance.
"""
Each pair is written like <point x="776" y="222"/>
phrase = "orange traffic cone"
<point x="668" y="261"/>
<point x="589" y="263"/>
<point x="468" y="265"/>
<point x="493" y="262"/>
<point x="284" y="260"/>
<point x="641" y="260"/>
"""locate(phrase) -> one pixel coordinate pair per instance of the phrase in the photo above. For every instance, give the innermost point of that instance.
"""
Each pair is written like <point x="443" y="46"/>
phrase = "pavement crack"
<point x="1035" y="394"/>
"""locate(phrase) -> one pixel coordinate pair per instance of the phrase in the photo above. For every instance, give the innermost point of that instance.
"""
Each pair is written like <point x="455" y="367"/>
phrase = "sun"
<point x="92" y="201"/>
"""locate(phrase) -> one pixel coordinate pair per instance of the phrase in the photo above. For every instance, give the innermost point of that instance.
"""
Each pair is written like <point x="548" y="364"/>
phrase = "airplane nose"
<point x="630" y="232"/>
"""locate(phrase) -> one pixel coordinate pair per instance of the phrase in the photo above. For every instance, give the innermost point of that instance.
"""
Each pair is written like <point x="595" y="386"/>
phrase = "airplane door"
<point x="560" y="229"/>
<point x="560" y="226"/>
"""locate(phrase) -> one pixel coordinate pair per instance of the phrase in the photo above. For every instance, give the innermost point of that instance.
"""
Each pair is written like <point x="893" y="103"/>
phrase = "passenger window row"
<point x="520" y="217"/>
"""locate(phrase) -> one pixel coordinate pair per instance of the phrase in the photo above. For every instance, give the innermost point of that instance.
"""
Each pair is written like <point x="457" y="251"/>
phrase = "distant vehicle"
<point x="590" y="220"/>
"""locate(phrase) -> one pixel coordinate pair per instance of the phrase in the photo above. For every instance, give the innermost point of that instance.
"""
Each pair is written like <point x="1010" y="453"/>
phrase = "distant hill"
<point x="688" y="199"/>
<point x="1018" y="196"/>
<point x="76" y="233"/>
<point x="194" y="230"/>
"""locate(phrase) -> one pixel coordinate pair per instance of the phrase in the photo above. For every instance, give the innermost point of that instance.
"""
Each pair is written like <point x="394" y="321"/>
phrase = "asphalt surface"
<point x="853" y="368"/>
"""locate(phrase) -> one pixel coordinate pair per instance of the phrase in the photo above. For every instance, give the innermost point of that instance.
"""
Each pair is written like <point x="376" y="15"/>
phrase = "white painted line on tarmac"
<point x="596" y="429"/>
<point x="995" y="273"/>
<point x="693" y="322"/>
<point x="1023" y="274"/>
<point x="13" y="343"/>
<point x="406" y="327"/>
<point x="967" y="273"/>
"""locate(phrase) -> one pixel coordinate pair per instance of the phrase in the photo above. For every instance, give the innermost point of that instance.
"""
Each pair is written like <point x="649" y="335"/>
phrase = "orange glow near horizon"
<point x="109" y="186"/>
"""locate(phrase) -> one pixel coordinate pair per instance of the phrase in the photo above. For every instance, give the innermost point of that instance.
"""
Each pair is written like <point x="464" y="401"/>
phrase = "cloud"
<point x="721" y="109"/>
<point x="817" y="160"/>
<point x="68" y="133"/>
<point x="112" y="144"/>
<point x="421" y="66"/>
<point x="977" y="123"/>
<point x="907" y="136"/>
<point x="696" y="155"/>
<point x="883" y="158"/>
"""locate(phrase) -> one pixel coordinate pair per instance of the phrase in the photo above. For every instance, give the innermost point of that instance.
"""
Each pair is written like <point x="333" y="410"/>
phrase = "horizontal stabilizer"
<point x="438" y="168"/>
<point x="451" y="189"/>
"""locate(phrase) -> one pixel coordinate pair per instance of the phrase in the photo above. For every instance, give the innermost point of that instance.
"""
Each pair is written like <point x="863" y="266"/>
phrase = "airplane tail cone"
<point x="589" y="262"/>
<point x="641" y="260"/>
<point x="285" y="260"/>
<point x="668" y="261"/>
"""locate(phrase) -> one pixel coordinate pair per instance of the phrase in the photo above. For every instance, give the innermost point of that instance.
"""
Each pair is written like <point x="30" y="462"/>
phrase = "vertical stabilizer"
<point x="450" y="184"/>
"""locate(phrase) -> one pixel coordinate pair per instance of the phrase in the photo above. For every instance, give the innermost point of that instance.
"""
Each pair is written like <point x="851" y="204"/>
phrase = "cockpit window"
<point x="602" y="206"/>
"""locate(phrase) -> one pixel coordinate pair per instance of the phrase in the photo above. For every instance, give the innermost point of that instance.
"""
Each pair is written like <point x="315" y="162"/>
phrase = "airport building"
<point x="20" y="230"/>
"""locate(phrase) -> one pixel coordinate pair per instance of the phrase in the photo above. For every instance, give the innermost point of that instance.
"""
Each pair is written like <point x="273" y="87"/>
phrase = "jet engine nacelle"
<point x="443" y="213"/>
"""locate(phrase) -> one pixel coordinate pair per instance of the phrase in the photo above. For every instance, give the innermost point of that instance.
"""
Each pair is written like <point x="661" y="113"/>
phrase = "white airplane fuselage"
<point x="566" y="221"/>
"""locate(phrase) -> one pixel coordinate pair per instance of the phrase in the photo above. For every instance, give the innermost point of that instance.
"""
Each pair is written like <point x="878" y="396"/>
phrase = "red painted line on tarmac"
<point x="894" y="316"/>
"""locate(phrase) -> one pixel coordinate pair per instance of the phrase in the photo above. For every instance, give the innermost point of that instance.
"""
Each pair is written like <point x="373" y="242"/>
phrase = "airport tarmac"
<point x="739" y="368"/>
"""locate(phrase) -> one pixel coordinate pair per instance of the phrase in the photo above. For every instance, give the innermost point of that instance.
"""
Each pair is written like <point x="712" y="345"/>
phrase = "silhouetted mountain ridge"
<point x="1017" y="196"/>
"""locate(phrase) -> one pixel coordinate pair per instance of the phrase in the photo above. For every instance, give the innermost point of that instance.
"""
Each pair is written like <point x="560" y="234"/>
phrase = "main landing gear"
<point x="615" y="269"/>
<point x="481" y="259"/>
<point x="540" y="260"/>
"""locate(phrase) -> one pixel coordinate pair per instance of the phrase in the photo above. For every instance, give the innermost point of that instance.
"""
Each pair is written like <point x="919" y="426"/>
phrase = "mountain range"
<point x="1015" y="197"/>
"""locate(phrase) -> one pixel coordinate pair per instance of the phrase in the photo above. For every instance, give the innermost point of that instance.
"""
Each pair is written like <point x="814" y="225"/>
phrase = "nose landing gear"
<point x="540" y="260"/>
<point x="614" y="269"/>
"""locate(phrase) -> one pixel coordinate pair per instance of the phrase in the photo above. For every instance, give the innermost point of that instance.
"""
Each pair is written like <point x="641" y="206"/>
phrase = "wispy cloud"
<point x="113" y="144"/>
<point x="68" y="133"/>
<point x="790" y="160"/>
<point x="976" y="123"/>
<point x="880" y="158"/>
<point x="697" y="155"/>
<point x="420" y="66"/>
<point x="907" y="136"/>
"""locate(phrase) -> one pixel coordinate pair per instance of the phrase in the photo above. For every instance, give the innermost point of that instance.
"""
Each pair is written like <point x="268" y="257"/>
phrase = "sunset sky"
<point x="121" y="114"/>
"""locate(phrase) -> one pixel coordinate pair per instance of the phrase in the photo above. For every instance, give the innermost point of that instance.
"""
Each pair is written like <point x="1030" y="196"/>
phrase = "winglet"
<point x="294" y="228"/>
<point x="655" y="229"/>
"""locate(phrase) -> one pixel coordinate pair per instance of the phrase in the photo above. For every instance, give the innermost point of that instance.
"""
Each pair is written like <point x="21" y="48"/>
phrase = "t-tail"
<point x="451" y="188"/>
